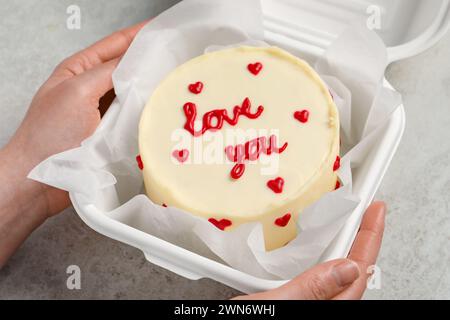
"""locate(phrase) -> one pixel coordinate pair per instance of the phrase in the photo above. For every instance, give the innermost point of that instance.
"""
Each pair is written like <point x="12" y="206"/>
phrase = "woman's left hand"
<point x="64" y="112"/>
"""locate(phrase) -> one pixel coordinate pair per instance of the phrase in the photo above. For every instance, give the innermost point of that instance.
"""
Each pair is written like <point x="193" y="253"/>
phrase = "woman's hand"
<point x="65" y="111"/>
<point x="338" y="279"/>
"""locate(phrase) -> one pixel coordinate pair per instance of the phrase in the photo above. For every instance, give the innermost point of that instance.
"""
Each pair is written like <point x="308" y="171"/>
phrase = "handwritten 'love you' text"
<point x="214" y="120"/>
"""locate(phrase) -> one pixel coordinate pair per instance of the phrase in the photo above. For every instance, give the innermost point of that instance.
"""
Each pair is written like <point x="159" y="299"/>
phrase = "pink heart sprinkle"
<point x="196" y="88"/>
<point x="284" y="220"/>
<point x="255" y="68"/>
<point x="181" y="155"/>
<point x="276" y="185"/>
<point x="139" y="162"/>
<point x="220" y="224"/>
<point x="302" y="116"/>
<point x="338" y="185"/>
<point x="337" y="163"/>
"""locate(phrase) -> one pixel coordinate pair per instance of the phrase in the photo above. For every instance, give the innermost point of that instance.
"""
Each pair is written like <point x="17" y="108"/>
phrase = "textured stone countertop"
<point x="415" y="258"/>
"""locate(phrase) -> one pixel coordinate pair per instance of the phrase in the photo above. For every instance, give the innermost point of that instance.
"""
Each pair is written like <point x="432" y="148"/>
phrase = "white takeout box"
<point x="307" y="27"/>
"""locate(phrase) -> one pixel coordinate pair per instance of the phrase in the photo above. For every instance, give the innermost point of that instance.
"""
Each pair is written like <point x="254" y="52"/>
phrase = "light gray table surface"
<point x="415" y="258"/>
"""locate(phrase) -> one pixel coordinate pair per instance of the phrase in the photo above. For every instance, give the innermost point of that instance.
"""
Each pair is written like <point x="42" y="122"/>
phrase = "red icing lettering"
<point x="237" y="171"/>
<point x="251" y="151"/>
<point x="255" y="68"/>
<point x="302" y="116"/>
<point x="139" y="162"/>
<point x="220" y="224"/>
<point x="337" y="164"/>
<point x="276" y="185"/>
<point x="181" y="155"/>
<point x="236" y="154"/>
<point x="215" y="119"/>
<point x="196" y="88"/>
<point x="284" y="220"/>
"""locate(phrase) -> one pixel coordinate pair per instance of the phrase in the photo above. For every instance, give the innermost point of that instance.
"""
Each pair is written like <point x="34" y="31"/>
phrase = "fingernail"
<point x="345" y="273"/>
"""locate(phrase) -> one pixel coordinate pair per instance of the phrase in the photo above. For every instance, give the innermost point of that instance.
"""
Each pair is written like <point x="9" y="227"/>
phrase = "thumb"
<point x="321" y="282"/>
<point x="324" y="281"/>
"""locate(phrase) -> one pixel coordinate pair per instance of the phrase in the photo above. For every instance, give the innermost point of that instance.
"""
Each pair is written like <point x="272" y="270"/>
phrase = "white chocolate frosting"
<point x="189" y="168"/>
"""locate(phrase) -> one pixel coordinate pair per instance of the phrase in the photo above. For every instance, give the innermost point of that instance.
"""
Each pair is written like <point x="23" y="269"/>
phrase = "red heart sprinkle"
<point x="196" y="88"/>
<point x="139" y="162"/>
<point x="222" y="224"/>
<point x="164" y="205"/>
<point x="255" y="68"/>
<point x="238" y="171"/>
<point x="338" y="185"/>
<point x="284" y="220"/>
<point x="181" y="155"/>
<point x="302" y="116"/>
<point x="276" y="185"/>
<point x="337" y="163"/>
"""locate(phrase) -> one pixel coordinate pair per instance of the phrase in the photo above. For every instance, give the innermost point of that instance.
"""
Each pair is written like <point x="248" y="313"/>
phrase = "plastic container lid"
<point x="407" y="27"/>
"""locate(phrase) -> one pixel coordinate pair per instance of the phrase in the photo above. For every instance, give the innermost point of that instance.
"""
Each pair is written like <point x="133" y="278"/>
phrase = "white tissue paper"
<point x="104" y="172"/>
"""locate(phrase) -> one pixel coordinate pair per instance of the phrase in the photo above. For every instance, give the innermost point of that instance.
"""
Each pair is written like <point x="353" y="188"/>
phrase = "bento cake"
<point x="283" y="156"/>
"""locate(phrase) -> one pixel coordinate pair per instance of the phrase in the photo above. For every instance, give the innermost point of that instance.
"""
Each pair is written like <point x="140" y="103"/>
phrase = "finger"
<point x="368" y="241"/>
<point x="322" y="282"/>
<point x="95" y="83"/>
<point x="366" y="248"/>
<point x="107" y="49"/>
<point x="112" y="46"/>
